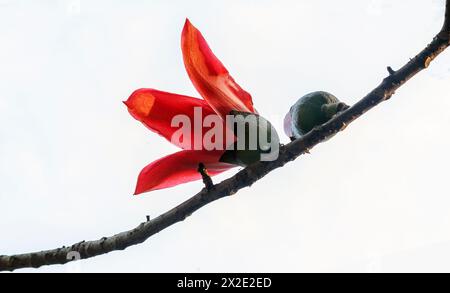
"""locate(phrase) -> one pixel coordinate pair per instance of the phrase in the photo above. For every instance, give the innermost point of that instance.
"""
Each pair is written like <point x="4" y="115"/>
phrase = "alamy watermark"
<point x="239" y="131"/>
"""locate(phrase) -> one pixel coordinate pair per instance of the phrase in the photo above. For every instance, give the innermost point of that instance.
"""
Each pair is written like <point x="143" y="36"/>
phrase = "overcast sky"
<point x="373" y="198"/>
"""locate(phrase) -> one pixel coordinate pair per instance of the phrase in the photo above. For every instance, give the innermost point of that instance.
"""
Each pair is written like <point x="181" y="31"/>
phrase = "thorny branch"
<point x="244" y="178"/>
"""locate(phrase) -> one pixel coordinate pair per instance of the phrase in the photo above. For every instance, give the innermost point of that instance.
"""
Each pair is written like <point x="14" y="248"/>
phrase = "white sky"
<point x="373" y="198"/>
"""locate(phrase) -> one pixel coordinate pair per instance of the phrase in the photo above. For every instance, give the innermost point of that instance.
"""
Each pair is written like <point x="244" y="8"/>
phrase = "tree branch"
<point x="244" y="178"/>
<point x="445" y="31"/>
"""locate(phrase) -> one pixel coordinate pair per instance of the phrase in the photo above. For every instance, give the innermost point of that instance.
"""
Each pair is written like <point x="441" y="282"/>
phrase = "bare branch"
<point x="244" y="178"/>
<point x="445" y="31"/>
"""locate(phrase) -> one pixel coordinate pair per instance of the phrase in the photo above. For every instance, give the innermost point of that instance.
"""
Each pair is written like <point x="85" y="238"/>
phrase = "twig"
<point x="244" y="178"/>
<point x="205" y="176"/>
<point x="390" y="70"/>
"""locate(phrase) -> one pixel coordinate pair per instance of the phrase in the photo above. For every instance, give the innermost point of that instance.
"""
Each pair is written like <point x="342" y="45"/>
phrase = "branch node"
<point x="205" y="177"/>
<point x="427" y="62"/>
<point x="390" y="70"/>
<point x="148" y="218"/>
<point x="76" y="246"/>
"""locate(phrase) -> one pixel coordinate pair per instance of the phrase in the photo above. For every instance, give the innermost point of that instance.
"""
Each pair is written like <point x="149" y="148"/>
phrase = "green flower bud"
<point x="309" y="111"/>
<point x="257" y="140"/>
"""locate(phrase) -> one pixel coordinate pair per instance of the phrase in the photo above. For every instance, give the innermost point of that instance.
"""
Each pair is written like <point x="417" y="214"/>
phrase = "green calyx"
<point x="256" y="139"/>
<point x="312" y="110"/>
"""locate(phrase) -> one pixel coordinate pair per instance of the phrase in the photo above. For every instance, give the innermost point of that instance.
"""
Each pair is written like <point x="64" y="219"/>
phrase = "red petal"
<point x="156" y="109"/>
<point x="210" y="77"/>
<point x="178" y="168"/>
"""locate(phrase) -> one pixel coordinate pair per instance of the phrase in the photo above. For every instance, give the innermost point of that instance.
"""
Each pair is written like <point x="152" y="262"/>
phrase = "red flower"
<point x="156" y="109"/>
